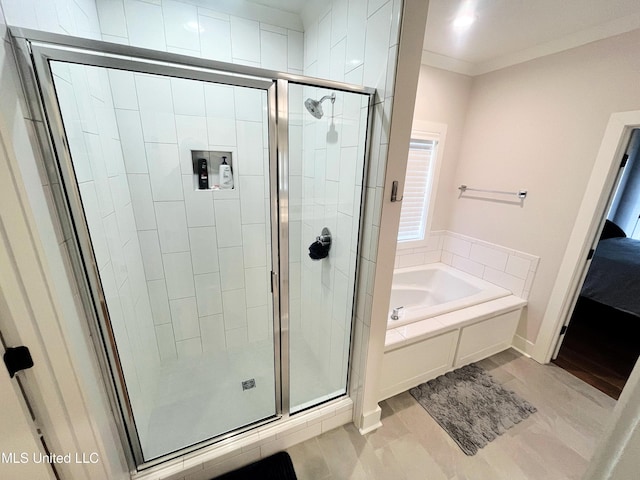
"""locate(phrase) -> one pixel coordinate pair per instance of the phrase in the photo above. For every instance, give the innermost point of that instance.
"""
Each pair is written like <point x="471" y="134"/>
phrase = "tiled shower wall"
<point x="161" y="119"/>
<point x="328" y="175"/>
<point x="207" y="277"/>
<point x="190" y="29"/>
<point x="356" y="41"/>
<point x="502" y="266"/>
<point x="90" y="124"/>
<point x="205" y="253"/>
<point x="69" y="17"/>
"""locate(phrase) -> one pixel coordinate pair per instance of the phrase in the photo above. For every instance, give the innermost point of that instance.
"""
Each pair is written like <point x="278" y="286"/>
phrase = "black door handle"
<point x="16" y="359"/>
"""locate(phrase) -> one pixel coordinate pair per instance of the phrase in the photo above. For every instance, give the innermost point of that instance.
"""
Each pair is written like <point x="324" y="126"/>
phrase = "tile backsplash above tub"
<point x="499" y="265"/>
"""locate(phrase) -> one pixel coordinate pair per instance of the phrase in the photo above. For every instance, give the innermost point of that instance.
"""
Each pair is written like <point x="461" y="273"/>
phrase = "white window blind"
<point x="415" y="201"/>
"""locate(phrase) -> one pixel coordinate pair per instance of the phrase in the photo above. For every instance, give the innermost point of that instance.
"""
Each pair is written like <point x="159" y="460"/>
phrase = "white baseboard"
<point x="523" y="346"/>
<point x="370" y="421"/>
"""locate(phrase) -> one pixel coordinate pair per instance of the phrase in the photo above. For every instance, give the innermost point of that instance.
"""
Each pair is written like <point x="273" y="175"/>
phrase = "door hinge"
<point x="623" y="163"/>
<point x="274" y="279"/>
<point x="16" y="359"/>
<point x="590" y="254"/>
<point x="563" y="330"/>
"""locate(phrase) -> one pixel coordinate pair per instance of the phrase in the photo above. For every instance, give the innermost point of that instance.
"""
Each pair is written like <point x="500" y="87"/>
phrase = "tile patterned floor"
<point x="197" y="398"/>
<point x="556" y="443"/>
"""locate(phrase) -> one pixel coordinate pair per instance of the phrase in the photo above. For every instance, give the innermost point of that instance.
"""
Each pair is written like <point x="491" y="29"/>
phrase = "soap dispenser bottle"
<point x="226" y="177"/>
<point x="203" y="174"/>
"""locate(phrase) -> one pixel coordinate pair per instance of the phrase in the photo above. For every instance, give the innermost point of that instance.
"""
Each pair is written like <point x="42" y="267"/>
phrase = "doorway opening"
<point x="600" y="344"/>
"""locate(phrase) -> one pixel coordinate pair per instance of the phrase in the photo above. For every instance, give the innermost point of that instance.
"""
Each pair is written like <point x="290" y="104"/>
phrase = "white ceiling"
<point x="507" y="32"/>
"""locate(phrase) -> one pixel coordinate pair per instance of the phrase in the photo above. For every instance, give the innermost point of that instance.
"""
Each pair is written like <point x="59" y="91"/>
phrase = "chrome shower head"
<point x="314" y="107"/>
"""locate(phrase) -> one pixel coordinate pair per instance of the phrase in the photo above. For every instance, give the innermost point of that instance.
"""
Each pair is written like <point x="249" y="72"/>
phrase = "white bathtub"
<point x="430" y="290"/>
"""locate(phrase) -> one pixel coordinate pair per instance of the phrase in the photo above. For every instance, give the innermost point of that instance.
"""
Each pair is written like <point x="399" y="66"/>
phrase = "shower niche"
<point x="213" y="170"/>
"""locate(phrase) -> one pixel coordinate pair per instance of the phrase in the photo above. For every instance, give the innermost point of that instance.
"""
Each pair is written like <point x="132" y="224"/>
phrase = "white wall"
<point x="443" y="97"/>
<point x="536" y="126"/>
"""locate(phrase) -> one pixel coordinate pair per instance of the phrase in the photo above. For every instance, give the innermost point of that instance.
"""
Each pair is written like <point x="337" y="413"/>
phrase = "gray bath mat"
<point x="471" y="406"/>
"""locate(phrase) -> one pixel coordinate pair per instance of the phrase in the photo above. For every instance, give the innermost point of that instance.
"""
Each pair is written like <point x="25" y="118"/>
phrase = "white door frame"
<point x="21" y="449"/>
<point x="32" y="317"/>
<point x="585" y="230"/>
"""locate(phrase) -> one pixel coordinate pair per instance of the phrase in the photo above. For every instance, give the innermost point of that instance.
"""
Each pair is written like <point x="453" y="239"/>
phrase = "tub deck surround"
<point x="435" y="289"/>
<point x="434" y="326"/>
<point x="450" y="319"/>
<point x="420" y="351"/>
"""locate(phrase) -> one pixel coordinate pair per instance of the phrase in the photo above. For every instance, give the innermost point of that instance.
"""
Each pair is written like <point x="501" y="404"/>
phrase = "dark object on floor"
<point x="601" y="346"/>
<point x="471" y="406"/>
<point x="275" y="467"/>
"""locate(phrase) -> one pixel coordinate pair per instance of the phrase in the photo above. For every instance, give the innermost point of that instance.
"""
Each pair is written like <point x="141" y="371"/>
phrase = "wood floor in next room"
<point x="602" y="357"/>
<point x="555" y="443"/>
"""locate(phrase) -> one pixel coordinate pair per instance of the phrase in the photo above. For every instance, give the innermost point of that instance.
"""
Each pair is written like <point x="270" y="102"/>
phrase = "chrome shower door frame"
<point x="34" y="51"/>
<point x="41" y="56"/>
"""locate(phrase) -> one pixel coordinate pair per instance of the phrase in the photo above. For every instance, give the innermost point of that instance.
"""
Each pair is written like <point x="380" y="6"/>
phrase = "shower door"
<point x="327" y="143"/>
<point x="189" y="192"/>
<point x="180" y="246"/>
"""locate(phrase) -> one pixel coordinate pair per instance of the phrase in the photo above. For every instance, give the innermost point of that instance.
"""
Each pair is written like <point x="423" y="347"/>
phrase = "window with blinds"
<point x="415" y="201"/>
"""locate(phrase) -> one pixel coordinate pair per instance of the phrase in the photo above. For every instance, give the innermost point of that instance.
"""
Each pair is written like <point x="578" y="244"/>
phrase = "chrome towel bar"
<point x="520" y="193"/>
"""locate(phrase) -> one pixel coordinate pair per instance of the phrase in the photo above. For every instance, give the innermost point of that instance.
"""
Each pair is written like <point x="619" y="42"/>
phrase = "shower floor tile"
<point x="198" y="398"/>
<point x="202" y="397"/>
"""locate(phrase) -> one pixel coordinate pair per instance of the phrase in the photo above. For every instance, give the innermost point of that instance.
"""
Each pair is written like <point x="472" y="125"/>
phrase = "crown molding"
<point x="577" y="39"/>
<point x="433" y="59"/>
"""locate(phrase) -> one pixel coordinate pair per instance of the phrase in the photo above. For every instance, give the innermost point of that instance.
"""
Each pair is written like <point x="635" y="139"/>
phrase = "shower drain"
<point x="247" y="384"/>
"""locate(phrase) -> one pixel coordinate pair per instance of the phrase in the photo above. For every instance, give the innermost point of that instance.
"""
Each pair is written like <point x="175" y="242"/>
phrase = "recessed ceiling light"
<point x="466" y="16"/>
<point x="464" y="21"/>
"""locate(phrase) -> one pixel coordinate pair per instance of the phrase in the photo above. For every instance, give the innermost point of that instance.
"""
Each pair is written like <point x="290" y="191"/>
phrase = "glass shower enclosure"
<point x="215" y="214"/>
